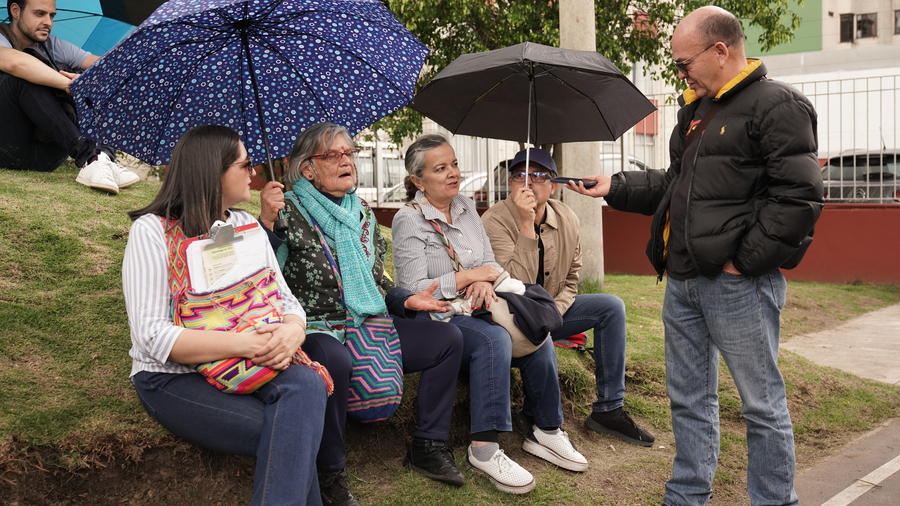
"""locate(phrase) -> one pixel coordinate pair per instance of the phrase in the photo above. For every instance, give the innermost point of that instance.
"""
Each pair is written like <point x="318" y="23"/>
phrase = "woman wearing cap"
<point x="423" y="234"/>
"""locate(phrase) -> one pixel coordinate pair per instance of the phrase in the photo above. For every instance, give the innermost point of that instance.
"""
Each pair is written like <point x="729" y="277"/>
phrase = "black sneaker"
<point x="618" y="423"/>
<point x="433" y="459"/>
<point x="523" y="423"/>
<point x="333" y="487"/>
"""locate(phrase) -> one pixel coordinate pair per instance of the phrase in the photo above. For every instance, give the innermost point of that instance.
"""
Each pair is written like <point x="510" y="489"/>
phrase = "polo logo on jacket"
<point x="722" y="131"/>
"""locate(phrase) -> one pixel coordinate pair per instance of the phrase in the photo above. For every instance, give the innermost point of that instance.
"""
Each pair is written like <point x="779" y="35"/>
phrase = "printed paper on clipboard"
<point x="229" y="255"/>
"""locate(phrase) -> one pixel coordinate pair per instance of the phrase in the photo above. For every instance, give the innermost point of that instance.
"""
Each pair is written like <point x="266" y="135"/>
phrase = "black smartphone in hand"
<point x="565" y="180"/>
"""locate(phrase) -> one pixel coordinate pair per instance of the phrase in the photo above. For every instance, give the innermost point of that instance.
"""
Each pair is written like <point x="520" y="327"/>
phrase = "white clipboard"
<point x="229" y="255"/>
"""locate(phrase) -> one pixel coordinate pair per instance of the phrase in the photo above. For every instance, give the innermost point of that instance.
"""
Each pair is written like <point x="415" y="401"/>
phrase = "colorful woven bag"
<point x="240" y="307"/>
<point x="376" y="379"/>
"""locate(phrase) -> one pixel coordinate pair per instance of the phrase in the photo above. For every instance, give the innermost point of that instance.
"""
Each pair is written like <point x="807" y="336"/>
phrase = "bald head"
<point x="714" y="24"/>
<point x="708" y="48"/>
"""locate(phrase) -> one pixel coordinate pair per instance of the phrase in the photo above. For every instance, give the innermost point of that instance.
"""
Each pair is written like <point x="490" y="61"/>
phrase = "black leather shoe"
<point x="433" y="459"/>
<point x="334" y="490"/>
<point x="618" y="423"/>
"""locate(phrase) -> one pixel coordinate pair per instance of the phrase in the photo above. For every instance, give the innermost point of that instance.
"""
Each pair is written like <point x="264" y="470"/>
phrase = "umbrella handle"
<point x="281" y="223"/>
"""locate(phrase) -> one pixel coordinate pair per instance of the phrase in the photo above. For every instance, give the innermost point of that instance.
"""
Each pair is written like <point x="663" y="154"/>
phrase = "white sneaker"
<point x="555" y="448"/>
<point x="507" y="476"/>
<point x="122" y="176"/>
<point x="98" y="175"/>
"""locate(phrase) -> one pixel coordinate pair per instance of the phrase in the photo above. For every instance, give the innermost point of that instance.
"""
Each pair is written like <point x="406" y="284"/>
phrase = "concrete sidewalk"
<point x="867" y="346"/>
<point x="865" y="472"/>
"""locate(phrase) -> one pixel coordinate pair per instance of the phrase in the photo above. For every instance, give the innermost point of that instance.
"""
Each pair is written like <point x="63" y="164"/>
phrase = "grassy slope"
<point x="64" y="367"/>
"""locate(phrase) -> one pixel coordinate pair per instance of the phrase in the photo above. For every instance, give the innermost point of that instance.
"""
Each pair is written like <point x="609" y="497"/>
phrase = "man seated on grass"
<point x="39" y="128"/>
<point x="536" y="239"/>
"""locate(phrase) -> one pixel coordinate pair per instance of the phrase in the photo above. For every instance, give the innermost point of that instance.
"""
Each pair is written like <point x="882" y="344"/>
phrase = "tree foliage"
<point x="454" y="27"/>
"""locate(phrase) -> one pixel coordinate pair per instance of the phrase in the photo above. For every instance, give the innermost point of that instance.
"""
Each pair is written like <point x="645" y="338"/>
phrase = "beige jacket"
<point x="519" y="254"/>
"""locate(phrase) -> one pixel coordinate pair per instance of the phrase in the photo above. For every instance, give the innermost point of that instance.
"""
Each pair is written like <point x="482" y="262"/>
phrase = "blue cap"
<point x="535" y="155"/>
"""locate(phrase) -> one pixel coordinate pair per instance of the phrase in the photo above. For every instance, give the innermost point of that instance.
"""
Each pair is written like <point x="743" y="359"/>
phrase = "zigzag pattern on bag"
<point x="236" y="308"/>
<point x="377" y="385"/>
<point x="236" y="375"/>
<point x="239" y="307"/>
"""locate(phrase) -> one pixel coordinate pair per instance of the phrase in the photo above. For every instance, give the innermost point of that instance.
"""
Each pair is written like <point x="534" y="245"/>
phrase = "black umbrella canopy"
<point x="133" y="12"/>
<point x="562" y="95"/>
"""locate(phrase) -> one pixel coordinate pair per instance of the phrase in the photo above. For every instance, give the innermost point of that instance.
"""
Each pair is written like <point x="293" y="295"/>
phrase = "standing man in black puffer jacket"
<point x="738" y="202"/>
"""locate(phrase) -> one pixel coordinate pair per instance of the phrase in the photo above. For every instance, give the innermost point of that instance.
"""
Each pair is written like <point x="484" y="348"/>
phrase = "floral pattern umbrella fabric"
<point x="265" y="68"/>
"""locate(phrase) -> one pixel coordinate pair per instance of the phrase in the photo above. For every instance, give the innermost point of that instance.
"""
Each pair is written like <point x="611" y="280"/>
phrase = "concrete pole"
<point x="577" y="30"/>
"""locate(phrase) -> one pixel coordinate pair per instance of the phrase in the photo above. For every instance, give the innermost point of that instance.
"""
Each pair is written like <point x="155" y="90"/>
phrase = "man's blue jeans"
<point x="487" y="354"/>
<point x="604" y="313"/>
<point x="739" y="317"/>
<point x="280" y="424"/>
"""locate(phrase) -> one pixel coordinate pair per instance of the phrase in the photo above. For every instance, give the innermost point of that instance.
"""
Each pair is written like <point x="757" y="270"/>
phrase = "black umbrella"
<point x="534" y="93"/>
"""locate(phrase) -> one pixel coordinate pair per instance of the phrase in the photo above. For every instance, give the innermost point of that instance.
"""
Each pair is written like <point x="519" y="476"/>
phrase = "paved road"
<point x="865" y="472"/>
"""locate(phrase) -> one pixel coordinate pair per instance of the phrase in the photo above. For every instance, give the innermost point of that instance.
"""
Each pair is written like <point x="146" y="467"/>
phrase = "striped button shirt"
<point x="148" y="298"/>
<point x="420" y="256"/>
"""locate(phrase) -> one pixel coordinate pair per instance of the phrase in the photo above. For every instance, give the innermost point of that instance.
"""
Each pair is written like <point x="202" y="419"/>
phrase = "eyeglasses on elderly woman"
<point x="333" y="156"/>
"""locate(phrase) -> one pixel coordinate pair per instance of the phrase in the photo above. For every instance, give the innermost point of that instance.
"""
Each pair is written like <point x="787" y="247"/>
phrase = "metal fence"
<point x="858" y="132"/>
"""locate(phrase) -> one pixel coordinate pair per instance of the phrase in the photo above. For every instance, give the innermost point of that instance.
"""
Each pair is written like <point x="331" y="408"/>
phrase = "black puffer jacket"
<point x="756" y="187"/>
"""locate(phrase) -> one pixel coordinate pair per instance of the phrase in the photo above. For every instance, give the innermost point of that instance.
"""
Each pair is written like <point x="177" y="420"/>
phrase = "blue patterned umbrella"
<point x="272" y="66"/>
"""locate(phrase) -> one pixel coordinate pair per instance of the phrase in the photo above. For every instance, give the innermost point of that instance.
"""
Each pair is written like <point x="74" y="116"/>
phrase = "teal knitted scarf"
<point x="342" y="225"/>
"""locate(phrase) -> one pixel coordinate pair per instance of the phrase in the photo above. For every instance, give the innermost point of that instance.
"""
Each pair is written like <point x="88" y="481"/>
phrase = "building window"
<point x="846" y="27"/>
<point x="896" y="22"/>
<point x="866" y="25"/>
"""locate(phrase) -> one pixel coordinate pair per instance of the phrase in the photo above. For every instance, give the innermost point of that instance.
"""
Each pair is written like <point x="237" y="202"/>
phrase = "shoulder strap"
<point x="454" y="257"/>
<point x="178" y="271"/>
<point x="700" y="127"/>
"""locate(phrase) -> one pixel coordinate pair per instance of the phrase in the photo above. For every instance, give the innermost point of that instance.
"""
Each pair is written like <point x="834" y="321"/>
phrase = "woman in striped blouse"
<point x="281" y="423"/>
<point x="442" y="239"/>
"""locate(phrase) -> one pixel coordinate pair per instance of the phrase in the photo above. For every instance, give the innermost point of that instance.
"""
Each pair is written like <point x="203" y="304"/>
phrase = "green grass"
<point x="64" y="366"/>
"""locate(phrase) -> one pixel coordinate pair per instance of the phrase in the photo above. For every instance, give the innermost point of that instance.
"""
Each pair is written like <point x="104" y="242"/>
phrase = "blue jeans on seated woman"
<point x="431" y="347"/>
<point x="280" y="424"/>
<point x="487" y="354"/>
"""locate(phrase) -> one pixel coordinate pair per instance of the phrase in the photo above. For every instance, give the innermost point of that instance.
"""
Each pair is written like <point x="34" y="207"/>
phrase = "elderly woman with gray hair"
<point x="323" y="206"/>
<point x="439" y="238"/>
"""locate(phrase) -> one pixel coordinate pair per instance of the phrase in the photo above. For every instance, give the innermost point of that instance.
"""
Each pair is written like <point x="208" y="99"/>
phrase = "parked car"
<point x="863" y="177"/>
<point x="610" y="163"/>
<point x="501" y="185"/>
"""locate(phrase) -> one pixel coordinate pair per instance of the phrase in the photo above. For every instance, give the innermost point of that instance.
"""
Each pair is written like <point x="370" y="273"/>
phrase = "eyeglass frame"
<point x="544" y="175"/>
<point x="247" y="165"/>
<point x="682" y="65"/>
<point x="334" y="156"/>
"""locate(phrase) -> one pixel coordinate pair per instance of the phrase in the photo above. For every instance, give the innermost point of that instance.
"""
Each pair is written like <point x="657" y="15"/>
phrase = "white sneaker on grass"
<point x="98" y="175"/>
<point x="122" y="176"/>
<point x="554" y="448"/>
<point x="507" y="476"/>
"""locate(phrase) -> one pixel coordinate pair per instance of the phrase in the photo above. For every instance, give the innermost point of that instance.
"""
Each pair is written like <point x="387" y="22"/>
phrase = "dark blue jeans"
<point x="487" y="355"/>
<point x="605" y="314"/>
<point x="28" y="107"/>
<point x="433" y="348"/>
<point x="280" y="424"/>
